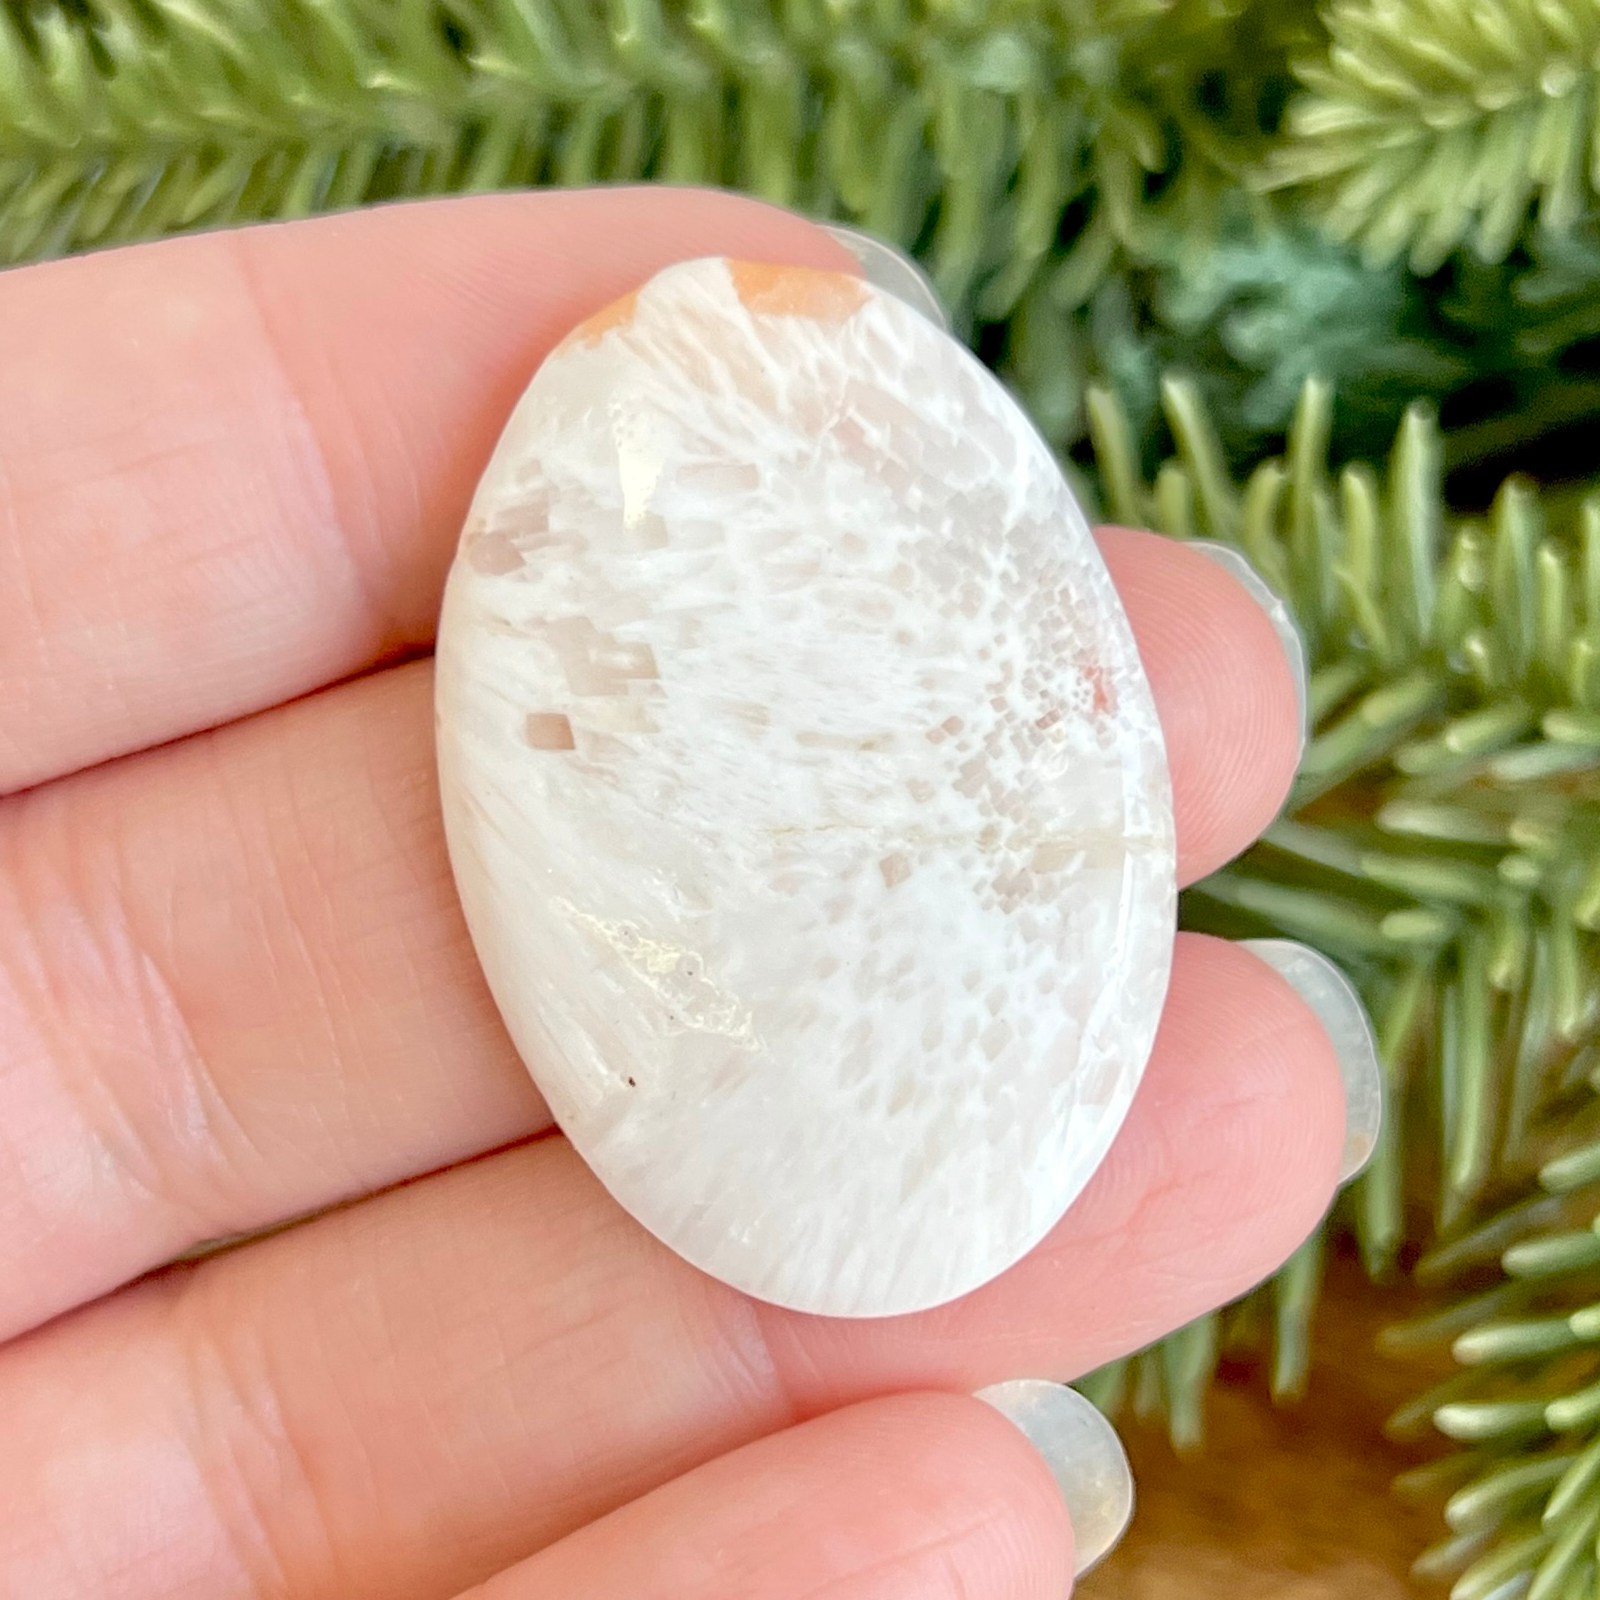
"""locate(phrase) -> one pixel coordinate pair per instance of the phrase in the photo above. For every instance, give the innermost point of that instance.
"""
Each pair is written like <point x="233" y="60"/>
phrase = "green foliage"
<point x="131" y="118"/>
<point x="1084" y="181"/>
<point x="1431" y="122"/>
<point x="1177" y="227"/>
<point x="1251" y="314"/>
<point x="1443" y="843"/>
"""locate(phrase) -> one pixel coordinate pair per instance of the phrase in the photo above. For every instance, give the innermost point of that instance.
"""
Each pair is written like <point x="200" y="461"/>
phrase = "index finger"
<point x="233" y="467"/>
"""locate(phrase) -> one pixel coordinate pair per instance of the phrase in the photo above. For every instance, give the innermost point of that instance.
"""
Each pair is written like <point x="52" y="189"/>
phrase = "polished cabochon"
<point x="803" y="788"/>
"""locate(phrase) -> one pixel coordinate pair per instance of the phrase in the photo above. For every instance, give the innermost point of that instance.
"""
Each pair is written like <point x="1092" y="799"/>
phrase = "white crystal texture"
<point x="804" y="790"/>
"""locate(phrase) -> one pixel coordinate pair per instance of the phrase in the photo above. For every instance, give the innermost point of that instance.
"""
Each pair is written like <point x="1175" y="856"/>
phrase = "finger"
<point x="1229" y="708"/>
<point x="237" y="986"/>
<point x="407" y="1395"/>
<point x="236" y="464"/>
<point x="928" y="1495"/>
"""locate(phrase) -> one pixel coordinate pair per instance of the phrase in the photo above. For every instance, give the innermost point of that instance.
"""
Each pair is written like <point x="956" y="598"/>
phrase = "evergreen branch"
<point x="1251" y="310"/>
<point x="1525" y="1512"/>
<point x="1075" y="177"/>
<point x="1441" y="843"/>
<point x="1427" y="123"/>
<point x="967" y="132"/>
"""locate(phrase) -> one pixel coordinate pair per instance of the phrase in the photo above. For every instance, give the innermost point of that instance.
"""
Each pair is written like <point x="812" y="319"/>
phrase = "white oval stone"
<point x="804" y="790"/>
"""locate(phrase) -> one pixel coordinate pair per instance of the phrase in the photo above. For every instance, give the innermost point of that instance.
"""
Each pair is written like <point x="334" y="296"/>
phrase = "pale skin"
<point x="235" y="989"/>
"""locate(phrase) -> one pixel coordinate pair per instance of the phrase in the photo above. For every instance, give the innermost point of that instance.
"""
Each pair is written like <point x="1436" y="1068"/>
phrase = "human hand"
<point x="235" y="988"/>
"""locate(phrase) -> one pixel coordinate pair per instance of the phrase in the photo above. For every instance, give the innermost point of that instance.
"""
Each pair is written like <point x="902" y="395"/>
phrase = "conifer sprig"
<point x="1443" y="843"/>
<point x="1426" y="123"/>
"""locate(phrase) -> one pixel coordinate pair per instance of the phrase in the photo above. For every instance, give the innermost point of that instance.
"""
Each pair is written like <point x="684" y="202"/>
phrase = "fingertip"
<point x="1259" y="1079"/>
<point x="1334" y="1000"/>
<point x="1085" y="1456"/>
<point x="990" y="1468"/>
<point x="1225" y="690"/>
<point x="908" y="1494"/>
<point x="1228" y="1160"/>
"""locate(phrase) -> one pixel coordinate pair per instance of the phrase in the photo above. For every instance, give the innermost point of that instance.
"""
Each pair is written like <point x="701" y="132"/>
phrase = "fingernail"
<point x="1333" y="997"/>
<point x="1270" y="601"/>
<point x="892" y="271"/>
<point x="1084" y="1455"/>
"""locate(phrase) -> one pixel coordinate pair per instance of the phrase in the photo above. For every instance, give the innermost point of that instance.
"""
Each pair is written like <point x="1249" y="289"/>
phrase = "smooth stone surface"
<point x="804" y="789"/>
<point x="1084" y="1455"/>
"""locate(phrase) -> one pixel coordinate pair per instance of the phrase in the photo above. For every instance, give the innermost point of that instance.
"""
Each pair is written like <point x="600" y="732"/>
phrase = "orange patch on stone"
<point x="616" y="315"/>
<point x="778" y="291"/>
<point x="1105" y="699"/>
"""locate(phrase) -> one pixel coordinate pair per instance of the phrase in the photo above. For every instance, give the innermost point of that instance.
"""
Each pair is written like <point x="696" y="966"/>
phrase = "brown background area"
<point x="1289" y="1502"/>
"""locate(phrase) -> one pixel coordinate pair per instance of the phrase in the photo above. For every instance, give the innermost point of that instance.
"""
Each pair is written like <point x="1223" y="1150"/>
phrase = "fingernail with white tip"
<point x="1084" y="1455"/>
<point x="1270" y="601"/>
<point x="892" y="271"/>
<point x="1333" y="997"/>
